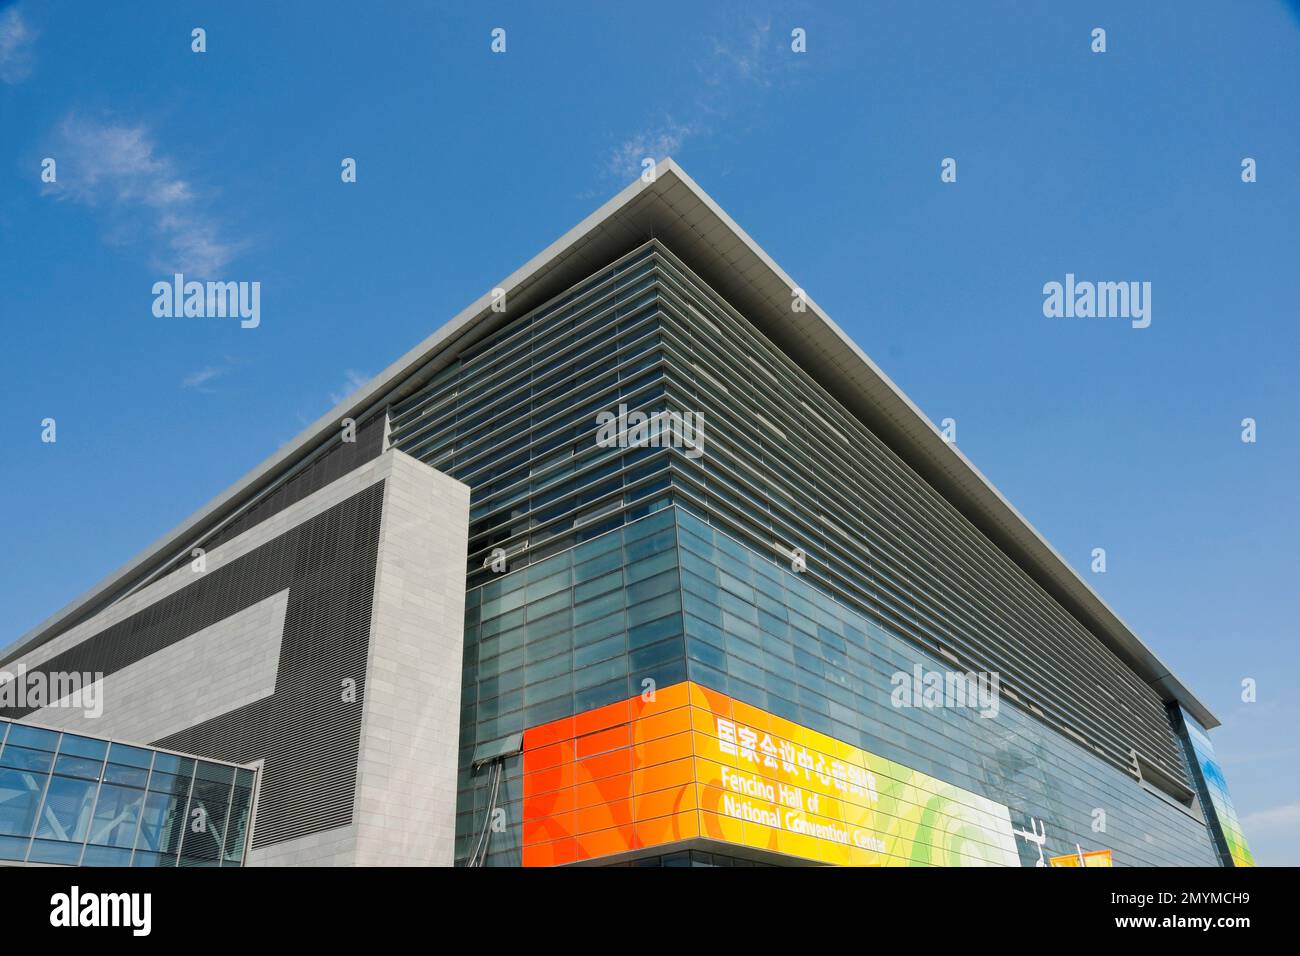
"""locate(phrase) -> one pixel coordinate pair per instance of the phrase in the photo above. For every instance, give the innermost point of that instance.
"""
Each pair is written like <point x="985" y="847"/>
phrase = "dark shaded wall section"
<point x="306" y="732"/>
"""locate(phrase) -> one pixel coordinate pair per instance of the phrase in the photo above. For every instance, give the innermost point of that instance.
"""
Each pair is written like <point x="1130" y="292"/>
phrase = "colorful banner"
<point x="1217" y="786"/>
<point x="696" y="764"/>
<point x="1085" y="858"/>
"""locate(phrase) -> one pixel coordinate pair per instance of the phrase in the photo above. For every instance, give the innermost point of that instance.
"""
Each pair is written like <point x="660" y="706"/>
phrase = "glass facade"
<point x="764" y="634"/>
<point x="75" y="800"/>
<point x="581" y="629"/>
<point x="514" y="418"/>
<point x="594" y="568"/>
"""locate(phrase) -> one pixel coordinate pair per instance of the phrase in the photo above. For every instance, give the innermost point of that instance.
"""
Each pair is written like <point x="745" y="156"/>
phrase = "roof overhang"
<point x="675" y="210"/>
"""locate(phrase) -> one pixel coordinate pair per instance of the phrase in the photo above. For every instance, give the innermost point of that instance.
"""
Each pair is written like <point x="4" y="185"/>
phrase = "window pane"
<point x="55" y="851"/>
<point x="241" y="804"/>
<point x="20" y="793"/>
<point x="130" y="776"/>
<point x="66" y="813"/>
<point x="171" y="763"/>
<point x="116" y="815"/>
<point x="215" y="772"/>
<point x="78" y="767"/>
<point x="170" y="783"/>
<point x="13" y="848"/>
<point x="83" y="747"/>
<point x="163" y="823"/>
<point x="205" y="824"/>
<point x="21" y="758"/>
<point x="23" y="736"/>
<point x="131" y="756"/>
<point x="105" y="856"/>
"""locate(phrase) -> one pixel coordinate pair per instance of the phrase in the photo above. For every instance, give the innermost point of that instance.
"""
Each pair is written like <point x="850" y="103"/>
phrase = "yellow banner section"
<point x="856" y="807"/>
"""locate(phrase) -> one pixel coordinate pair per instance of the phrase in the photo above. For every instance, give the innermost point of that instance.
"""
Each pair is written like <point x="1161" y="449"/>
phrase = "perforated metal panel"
<point x="336" y="461"/>
<point x="785" y="464"/>
<point x="306" y="732"/>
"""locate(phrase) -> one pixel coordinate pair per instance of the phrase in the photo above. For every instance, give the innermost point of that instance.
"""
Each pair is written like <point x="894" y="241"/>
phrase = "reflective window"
<point x="163" y="825"/>
<point x="117" y="816"/>
<point x="68" y="799"/>
<point x="65" y="815"/>
<point x="20" y="795"/>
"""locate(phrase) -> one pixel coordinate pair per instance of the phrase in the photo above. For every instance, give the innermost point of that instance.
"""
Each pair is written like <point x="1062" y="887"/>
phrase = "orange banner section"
<point x="695" y="763"/>
<point x="609" y="780"/>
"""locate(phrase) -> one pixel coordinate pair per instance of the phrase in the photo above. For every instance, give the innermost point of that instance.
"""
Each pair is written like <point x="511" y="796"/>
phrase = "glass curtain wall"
<point x="74" y="800"/>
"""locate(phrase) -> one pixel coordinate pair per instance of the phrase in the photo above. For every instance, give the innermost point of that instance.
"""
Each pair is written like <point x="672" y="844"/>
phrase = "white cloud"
<point x="1273" y="820"/>
<point x="656" y="142"/>
<point x="742" y="55"/>
<point x="198" y="380"/>
<point x="16" y="41"/>
<point x="353" y="380"/>
<point x="117" y="168"/>
<point x="740" y="66"/>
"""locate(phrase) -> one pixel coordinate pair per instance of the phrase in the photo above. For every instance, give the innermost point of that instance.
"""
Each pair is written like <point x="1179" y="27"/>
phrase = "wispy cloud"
<point x="16" y="42"/>
<point x="1273" y="820"/>
<point x="199" y="380"/>
<point x="213" y="377"/>
<point x="744" y="55"/>
<point x="735" y="70"/>
<point x="118" y="169"/>
<point x="656" y="142"/>
<point x="352" y="381"/>
<point x="744" y="64"/>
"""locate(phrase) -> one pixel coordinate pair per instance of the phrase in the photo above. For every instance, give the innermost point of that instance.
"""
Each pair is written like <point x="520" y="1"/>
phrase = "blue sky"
<point x="1117" y="166"/>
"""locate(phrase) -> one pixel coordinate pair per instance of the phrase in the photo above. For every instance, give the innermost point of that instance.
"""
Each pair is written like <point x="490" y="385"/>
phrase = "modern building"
<point x="638" y="560"/>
